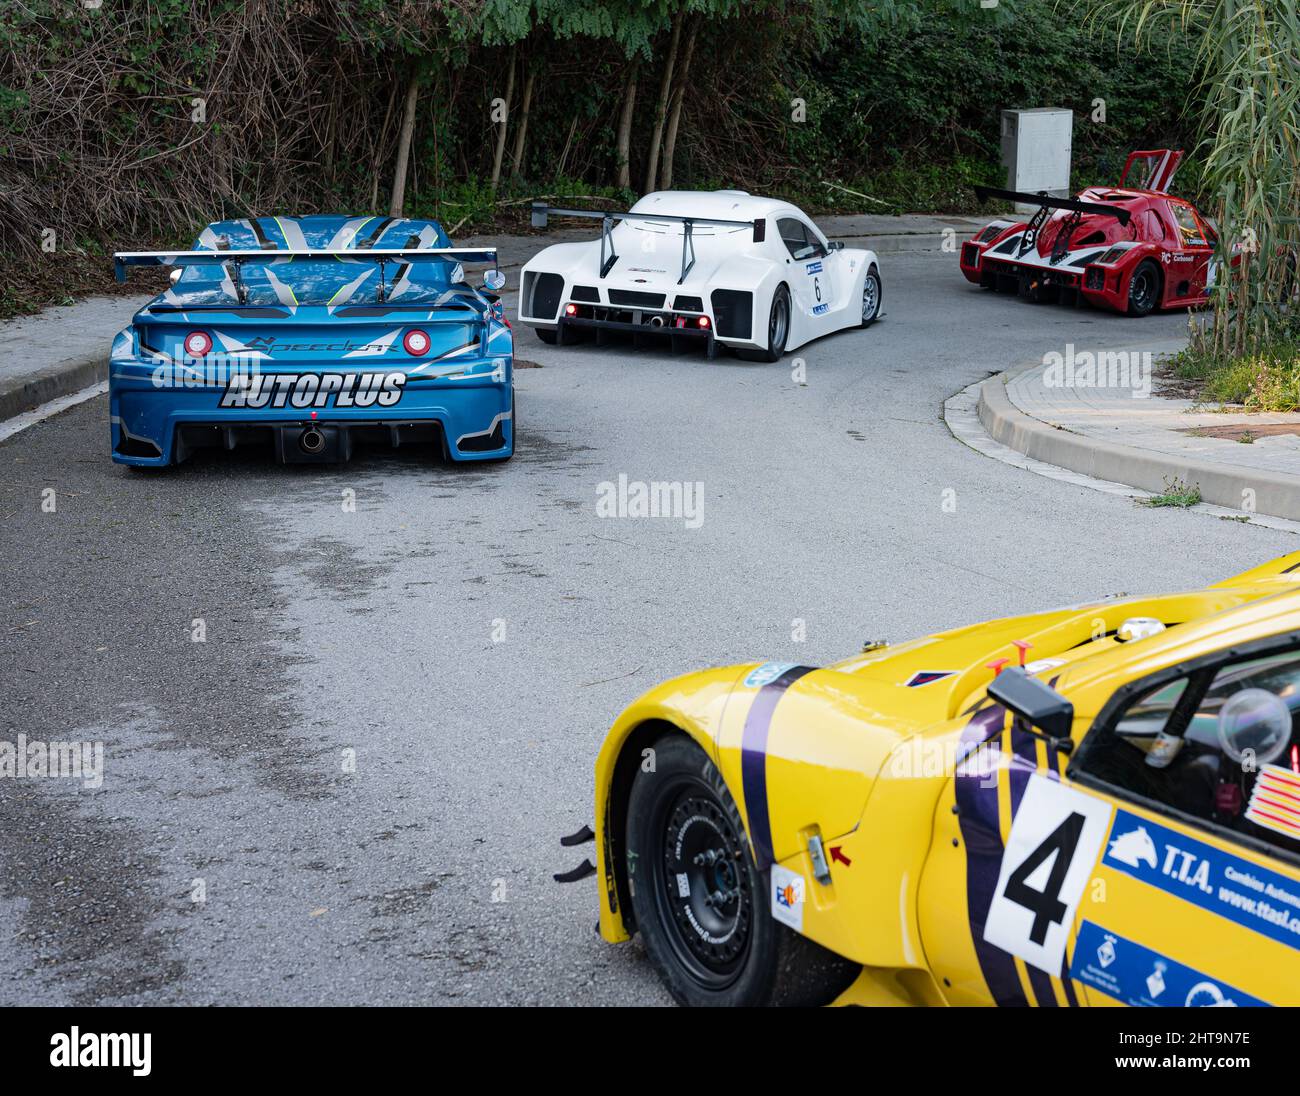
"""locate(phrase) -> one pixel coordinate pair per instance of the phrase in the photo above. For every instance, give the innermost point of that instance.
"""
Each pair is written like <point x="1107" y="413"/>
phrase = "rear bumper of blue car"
<point x="470" y="418"/>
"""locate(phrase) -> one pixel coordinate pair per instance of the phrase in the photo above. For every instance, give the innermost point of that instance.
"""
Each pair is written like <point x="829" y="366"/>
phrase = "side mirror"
<point x="1038" y="704"/>
<point x="494" y="281"/>
<point x="837" y="245"/>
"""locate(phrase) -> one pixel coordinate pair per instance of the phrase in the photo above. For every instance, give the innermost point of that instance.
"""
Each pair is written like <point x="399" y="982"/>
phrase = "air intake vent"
<point x="585" y="293"/>
<point x="733" y="313"/>
<point x="544" y="300"/>
<point x="636" y="299"/>
<point x="688" y="304"/>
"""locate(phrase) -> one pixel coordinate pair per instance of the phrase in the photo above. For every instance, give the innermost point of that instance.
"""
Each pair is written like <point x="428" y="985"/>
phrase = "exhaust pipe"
<point x="311" y="441"/>
<point x="656" y="321"/>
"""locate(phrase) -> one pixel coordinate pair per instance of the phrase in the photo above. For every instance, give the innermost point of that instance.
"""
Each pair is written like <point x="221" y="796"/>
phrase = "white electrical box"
<point x="1036" y="150"/>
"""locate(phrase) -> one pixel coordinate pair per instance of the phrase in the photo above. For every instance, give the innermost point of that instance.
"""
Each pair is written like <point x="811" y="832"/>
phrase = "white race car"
<point x="721" y="267"/>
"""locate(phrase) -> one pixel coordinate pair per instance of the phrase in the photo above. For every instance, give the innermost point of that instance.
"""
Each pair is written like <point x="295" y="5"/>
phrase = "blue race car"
<point x="310" y="334"/>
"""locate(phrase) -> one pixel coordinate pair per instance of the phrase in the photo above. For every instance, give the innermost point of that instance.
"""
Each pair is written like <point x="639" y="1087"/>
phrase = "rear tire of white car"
<point x="710" y="950"/>
<point x="547" y="336"/>
<point x="872" y="295"/>
<point x="778" y="329"/>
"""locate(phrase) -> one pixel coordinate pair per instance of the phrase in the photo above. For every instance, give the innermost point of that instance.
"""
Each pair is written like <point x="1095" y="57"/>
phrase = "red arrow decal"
<point x="837" y="855"/>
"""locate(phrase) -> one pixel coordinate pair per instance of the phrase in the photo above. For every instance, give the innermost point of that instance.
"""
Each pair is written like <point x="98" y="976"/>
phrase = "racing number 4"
<point x="1056" y="838"/>
<point x="1046" y="904"/>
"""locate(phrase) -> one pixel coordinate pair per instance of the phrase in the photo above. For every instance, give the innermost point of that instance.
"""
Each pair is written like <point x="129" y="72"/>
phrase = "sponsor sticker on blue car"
<point x="1140" y="977"/>
<point x="1240" y="891"/>
<point x="301" y="390"/>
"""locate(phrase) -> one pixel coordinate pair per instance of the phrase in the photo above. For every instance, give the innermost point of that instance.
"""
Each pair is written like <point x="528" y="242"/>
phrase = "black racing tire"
<point x="730" y="954"/>
<point x="547" y="336"/>
<point x="871" y="304"/>
<point x="778" y="329"/>
<point x="1144" y="288"/>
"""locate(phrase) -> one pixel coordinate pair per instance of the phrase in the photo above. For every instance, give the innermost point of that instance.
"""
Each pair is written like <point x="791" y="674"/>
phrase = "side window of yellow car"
<point x="1217" y="745"/>
<point x="1195" y="899"/>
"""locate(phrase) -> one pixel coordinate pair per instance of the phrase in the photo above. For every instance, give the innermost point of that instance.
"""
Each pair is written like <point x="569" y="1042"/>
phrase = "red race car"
<point x="1131" y="249"/>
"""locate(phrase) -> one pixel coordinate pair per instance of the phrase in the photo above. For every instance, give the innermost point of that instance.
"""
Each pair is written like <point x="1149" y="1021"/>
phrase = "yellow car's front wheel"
<point x="701" y="902"/>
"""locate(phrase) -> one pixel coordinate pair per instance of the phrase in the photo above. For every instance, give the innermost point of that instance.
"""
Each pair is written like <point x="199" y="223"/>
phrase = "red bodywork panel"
<point x="1097" y="260"/>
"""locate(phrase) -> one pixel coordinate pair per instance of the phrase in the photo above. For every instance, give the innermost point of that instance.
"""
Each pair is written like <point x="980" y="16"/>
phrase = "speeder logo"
<point x="304" y="390"/>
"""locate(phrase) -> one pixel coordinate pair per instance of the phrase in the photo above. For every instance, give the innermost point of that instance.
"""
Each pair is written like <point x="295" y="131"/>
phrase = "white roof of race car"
<point x="725" y="205"/>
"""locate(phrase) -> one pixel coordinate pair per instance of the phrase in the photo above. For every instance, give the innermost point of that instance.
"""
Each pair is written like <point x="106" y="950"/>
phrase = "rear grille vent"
<point x="585" y="293"/>
<point x="636" y="299"/>
<point x="733" y="313"/>
<point x="546" y="290"/>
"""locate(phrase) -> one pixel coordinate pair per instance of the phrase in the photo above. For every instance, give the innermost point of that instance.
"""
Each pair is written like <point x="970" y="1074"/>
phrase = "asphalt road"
<point x="468" y="633"/>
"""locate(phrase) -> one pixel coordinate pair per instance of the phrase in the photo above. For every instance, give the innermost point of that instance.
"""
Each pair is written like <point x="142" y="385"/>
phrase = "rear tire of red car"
<point x="1144" y="288"/>
<point x="700" y="902"/>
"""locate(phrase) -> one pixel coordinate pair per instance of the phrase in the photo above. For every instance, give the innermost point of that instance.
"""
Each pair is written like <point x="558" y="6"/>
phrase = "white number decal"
<point x="1055" y="840"/>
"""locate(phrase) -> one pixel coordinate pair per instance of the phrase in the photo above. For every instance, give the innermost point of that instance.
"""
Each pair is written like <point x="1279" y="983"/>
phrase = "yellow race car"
<point x="1094" y="805"/>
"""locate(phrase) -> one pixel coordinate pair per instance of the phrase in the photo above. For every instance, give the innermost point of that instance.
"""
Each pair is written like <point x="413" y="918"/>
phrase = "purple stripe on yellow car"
<point x="1054" y="767"/>
<point x="753" y="761"/>
<point x="977" y="814"/>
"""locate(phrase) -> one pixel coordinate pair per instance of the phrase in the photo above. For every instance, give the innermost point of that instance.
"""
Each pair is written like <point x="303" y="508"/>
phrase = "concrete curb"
<point x="61" y="379"/>
<point x="1222" y="484"/>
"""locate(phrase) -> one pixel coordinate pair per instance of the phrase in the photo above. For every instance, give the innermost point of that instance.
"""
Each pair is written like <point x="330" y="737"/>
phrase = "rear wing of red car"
<point x="1046" y="201"/>
<point x="1158" y="165"/>
<point x="608" y="257"/>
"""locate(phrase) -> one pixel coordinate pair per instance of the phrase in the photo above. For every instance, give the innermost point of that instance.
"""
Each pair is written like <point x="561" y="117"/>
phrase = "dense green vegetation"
<point x="134" y="123"/>
<point x="1265" y="378"/>
<point x="1247" y="69"/>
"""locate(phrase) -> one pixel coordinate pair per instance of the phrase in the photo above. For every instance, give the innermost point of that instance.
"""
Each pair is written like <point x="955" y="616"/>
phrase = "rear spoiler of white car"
<point x="541" y="211"/>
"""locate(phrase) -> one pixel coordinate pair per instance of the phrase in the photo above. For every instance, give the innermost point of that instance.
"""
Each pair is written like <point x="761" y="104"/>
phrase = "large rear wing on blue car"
<point x="234" y="260"/>
<point x="608" y="257"/>
<point x="123" y="259"/>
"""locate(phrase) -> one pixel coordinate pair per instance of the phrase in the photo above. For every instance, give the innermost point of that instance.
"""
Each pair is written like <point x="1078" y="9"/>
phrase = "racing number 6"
<point x="1056" y="837"/>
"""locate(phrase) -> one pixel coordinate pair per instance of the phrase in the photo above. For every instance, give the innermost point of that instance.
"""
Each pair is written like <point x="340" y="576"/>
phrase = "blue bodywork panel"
<point x="290" y="351"/>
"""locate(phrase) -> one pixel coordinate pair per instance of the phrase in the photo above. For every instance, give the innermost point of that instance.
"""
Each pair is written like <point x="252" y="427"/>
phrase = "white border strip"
<point x="962" y="419"/>
<point x="10" y="427"/>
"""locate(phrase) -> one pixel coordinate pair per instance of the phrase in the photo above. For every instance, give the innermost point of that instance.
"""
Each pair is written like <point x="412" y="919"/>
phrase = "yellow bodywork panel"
<point x="922" y="797"/>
